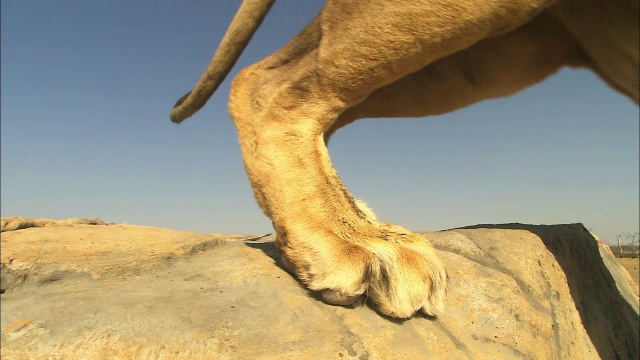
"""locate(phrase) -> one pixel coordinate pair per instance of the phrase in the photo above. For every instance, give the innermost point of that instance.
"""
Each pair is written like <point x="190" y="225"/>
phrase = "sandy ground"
<point x="633" y="267"/>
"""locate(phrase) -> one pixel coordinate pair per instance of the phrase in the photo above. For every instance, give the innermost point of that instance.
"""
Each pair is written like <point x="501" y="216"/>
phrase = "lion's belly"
<point x="608" y="32"/>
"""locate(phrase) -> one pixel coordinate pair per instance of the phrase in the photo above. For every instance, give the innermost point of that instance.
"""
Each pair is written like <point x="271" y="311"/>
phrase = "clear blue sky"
<point x="87" y="87"/>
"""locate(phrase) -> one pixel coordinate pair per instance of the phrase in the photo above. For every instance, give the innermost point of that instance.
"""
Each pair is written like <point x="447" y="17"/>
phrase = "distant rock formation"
<point x="19" y="222"/>
<point x="77" y="291"/>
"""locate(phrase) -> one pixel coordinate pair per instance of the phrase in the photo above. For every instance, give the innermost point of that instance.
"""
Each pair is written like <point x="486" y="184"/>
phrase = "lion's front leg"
<point x="333" y="244"/>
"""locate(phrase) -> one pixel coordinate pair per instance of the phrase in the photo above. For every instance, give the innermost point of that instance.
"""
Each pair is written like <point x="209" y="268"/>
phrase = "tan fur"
<point x="381" y="58"/>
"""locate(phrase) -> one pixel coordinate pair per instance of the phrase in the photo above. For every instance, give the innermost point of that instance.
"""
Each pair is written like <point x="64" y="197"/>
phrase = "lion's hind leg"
<point x="284" y="106"/>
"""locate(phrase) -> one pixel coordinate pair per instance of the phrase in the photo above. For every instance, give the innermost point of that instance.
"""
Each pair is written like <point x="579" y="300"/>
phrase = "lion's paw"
<point x="398" y="272"/>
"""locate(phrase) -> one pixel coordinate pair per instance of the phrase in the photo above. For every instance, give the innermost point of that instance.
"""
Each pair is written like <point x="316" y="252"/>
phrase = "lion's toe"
<point x="414" y="280"/>
<point x="338" y="298"/>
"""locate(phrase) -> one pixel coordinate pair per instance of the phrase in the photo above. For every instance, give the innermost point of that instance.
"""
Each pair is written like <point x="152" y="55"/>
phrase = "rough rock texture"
<point x="135" y="292"/>
<point x="19" y="222"/>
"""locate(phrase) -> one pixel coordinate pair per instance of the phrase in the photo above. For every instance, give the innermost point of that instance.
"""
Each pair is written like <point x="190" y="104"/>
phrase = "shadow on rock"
<point x="608" y="309"/>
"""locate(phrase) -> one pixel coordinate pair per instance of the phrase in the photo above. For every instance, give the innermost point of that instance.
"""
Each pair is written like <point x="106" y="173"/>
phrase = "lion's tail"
<point x="243" y="26"/>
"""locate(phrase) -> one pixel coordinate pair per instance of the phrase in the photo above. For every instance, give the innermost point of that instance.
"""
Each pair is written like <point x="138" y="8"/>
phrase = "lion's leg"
<point x="283" y="106"/>
<point x="495" y="67"/>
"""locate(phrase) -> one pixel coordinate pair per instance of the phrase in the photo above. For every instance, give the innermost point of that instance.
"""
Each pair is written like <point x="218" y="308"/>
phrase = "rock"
<point x="19" y="222"/>
<point x="135" y="292"/>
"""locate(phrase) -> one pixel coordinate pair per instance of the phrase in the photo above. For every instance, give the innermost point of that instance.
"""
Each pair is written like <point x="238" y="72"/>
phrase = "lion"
<point x="377" y="58"/>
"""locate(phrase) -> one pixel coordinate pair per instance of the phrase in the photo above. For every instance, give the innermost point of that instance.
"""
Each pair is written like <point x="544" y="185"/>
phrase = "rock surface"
<point x="19" y="222"/>
<point x="134" y="292"/>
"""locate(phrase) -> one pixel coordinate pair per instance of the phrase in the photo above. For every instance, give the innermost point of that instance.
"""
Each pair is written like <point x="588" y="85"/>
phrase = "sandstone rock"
<point x="19" y="222"/>
<point x="135" y="292"/>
